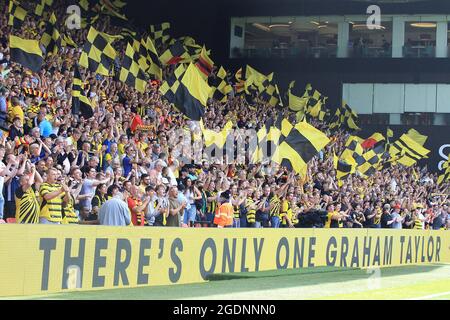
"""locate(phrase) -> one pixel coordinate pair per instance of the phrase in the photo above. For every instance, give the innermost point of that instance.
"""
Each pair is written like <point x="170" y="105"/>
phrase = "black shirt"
<point x="14" y="132"/>
<point x="385" y="218"/>
<point x="438" y="222"/>
<point x="371" y="221"/>
<point x="319" y="186"/>
<point x="358" y="216"/>
<point x="408" y="218"/>
<point x="61" y="157"/>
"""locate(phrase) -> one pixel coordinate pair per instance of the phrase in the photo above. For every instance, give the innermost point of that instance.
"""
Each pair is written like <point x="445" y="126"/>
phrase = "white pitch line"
<point x="431" y="296"/>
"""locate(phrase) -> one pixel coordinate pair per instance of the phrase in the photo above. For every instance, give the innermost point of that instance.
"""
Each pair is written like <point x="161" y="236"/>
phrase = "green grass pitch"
<point x="408" y="282"/>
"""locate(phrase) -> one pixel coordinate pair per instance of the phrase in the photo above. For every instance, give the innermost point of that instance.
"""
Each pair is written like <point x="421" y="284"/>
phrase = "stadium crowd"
<point x="59" y="168"/>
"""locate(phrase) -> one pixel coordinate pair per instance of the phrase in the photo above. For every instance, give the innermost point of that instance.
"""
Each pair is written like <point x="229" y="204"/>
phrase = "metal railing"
<point x="419" y="51"/>
<point x="331" y="52"/>
<point x="282" y="53"/>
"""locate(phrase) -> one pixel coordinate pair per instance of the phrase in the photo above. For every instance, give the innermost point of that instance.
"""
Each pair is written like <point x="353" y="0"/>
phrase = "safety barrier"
<point x="39" y="259"/>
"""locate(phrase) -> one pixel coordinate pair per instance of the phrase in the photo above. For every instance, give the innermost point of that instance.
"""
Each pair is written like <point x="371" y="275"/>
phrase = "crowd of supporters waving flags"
<point x="108" y="62"/>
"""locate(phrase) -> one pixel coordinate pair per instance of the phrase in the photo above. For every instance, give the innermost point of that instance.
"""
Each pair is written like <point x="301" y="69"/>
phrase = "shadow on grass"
<point x="386" y="272"/>
<point x="242" y="282"/>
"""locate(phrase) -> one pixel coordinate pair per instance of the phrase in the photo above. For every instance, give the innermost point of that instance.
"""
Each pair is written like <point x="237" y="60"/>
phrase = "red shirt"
<point x="137" y="219"/>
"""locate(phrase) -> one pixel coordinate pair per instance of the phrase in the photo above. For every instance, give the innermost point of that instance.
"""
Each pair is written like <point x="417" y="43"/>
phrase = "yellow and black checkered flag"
<point x="160" y="33"/>
<point x="190" y="94"/>
<point x="155" y="68"/>
<point x="220" y="86"/>
<point x="170" y="87"/>
<point x="148" y="57"/>
<point x="272" y="96"/>
<point x="42" y="7"/>
<point x="344" y="117"/>
<point x="335" y="121"/>
<point x="80" y="103"/>
<point x="315" y="105"/>
<point x="131" y="72"/>
<point x="255" y="80"/>
<point x="17" y="14"/>
<point x="177" y="53"/>
<point x="98" y="54"/>
<point x="350" y="117"/>
<point x="298" y="145"/>
<point x="353" y="151"/>
<point x="371" y="163"/>
<point x="51" y="39"/>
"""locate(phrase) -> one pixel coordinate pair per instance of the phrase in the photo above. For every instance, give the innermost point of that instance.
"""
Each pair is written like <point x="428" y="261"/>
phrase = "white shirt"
<point x="393" y="185"/>
<point x="173" y="180"/>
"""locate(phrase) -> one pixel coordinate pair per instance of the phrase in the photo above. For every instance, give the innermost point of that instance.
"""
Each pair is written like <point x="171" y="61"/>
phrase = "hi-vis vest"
<point x="224" y="215"/>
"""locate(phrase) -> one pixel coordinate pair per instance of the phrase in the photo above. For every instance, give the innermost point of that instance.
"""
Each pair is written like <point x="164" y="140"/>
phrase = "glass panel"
<point x="301" y="38"/>
<point x="420" y="39"/>
<point x="425" y="119"/>
<point x="367" y="43"/>
<point x="374" y="119"/>
<point x="448" y="40"/>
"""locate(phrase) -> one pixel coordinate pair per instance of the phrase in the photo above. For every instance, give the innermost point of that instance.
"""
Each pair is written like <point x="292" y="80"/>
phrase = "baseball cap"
<point x="397" y="206"/>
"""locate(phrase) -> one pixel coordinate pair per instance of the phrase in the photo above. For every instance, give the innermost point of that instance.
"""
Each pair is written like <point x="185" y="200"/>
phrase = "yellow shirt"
<point x="142" y="146"/>
<point x="286" y="212"/>
<point x="275" y="204"/>
<point x="333" y="223"/>
<point x="27" y="206"/>
<point x="52" y="209"/>
<point x="121" y="148"/>
<point x="69" y="216"/>
<point x="16" y="112"/>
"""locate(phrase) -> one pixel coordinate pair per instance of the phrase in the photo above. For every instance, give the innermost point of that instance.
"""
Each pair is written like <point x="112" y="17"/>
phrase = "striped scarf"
<point x="36" y="93"/>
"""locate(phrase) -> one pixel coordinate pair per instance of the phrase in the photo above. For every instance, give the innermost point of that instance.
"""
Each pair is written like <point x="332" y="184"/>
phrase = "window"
<point x="368" y="43"/>
<point x="374" y="119"/>
<point x="420" y="39"/>
<point x="238" y="31"/>
<point x="410" y="119"/>
<point x="305" y="37"/>
<point x="318" y="36"/>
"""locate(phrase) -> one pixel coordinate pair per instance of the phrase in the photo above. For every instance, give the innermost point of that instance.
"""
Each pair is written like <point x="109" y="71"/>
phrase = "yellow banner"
<point x="39" y="259"/>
